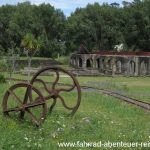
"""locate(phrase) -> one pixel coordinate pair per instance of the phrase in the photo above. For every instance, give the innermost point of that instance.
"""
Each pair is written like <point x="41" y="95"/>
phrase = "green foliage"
<point x="1" y="51"/>
<point x="2" y="79"/>
<point x="103" y="26"/>
<point x="97" y="26"/>
<point x="63" y="60"/>
<point x="44" y="22"/>
<point x="3" y="66"/>
<point x="30" y="44"/>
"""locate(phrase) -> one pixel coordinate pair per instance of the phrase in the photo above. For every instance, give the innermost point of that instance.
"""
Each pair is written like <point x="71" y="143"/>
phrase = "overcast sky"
<point x="67" y="6"/>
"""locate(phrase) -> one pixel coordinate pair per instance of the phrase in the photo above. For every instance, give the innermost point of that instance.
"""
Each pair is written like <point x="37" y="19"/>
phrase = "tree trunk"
<point x="29" y="68"/>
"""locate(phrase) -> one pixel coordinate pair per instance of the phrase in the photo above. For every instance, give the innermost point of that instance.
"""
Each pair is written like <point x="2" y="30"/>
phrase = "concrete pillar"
<point x="127" y="67"/>
<point x="136" y="66"/>
<point x="84" y="62"/>
<point x="94" y="62"/>
<point x="101" y="65"/>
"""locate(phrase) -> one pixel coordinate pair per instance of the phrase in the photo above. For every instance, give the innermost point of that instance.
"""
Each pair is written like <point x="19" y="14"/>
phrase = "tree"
<point x="31" y="45"/>
<point x="115" y="4"/>
<point x="96" y="26"/>
<point x="43" y="21"/>
<point x="126" y="4"/>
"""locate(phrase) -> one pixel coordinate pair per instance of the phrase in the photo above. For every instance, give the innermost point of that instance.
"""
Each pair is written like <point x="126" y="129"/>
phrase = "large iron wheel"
<point x="54" y="92"/>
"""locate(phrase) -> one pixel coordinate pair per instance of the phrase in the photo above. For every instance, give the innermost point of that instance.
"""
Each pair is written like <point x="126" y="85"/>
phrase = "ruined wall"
<point x="112" y="64"/>
<point x="20" y="64"/>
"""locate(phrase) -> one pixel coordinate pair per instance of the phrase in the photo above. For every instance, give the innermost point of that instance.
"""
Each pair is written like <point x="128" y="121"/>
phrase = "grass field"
<point x="99" y="118"/>
<point x="135" y="87"/>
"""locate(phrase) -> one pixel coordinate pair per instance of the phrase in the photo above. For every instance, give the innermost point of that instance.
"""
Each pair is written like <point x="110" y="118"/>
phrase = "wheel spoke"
<point x="34" y="104"/>
<point x="16" y="97"/>
<point x="13" y="109"/>
<point x="56" y="80"/>
<point x="30" y="96"/>
<point x="67" y="90"/>
<point x="34" y="119"/>
<point x="64" y="104"/>
<point x="53" y="105"/>
<point x="44" y="84"/>
<point x="45" y="98"/>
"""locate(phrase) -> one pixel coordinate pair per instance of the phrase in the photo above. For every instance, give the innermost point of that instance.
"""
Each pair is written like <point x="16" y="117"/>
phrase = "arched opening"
<point x="89" y="63"/>
<point x="109" y="65"/>
<point x="80" y="62"/>
<point x="98" y="62"/>
<point x="132" y="68"/>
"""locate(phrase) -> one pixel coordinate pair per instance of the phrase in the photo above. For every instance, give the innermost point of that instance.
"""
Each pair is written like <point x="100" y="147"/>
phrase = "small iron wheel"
<point x="17" y="100"/>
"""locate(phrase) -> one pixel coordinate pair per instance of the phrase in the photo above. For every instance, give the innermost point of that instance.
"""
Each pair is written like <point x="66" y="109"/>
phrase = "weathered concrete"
<point x="129" y="65"/>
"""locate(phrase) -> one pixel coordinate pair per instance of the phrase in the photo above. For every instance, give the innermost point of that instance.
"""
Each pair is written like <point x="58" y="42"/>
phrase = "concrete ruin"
<point x="112" y="63"/>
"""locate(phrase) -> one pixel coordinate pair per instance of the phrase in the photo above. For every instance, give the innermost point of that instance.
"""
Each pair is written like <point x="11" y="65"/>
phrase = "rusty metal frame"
<point x="28" y="102"/>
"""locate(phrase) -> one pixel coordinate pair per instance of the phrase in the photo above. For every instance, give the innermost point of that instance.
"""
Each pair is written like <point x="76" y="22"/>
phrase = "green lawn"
<point x="99" y="118"/>
<point x="135" y="87"/>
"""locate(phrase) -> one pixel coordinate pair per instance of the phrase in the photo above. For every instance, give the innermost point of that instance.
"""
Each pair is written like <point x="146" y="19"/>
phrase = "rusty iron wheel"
<point x="15" y="102"/>
<point x="54" y="92"/>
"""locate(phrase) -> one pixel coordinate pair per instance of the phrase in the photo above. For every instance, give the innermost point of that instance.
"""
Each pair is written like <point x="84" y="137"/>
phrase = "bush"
<point x="63" y="60"/>
<point x="2" y="79"/>
<point x="3" y="66"/>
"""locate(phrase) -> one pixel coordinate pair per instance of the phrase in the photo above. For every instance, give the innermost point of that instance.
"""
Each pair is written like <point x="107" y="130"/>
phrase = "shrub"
<point x="2" y="79"/>
<point x="3" y="66"/>
<point x="63" y="59"/>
